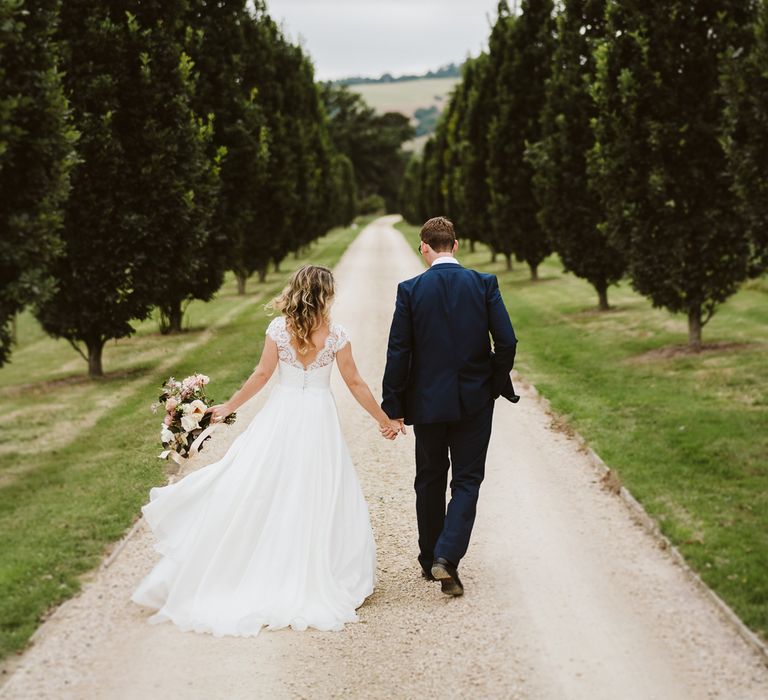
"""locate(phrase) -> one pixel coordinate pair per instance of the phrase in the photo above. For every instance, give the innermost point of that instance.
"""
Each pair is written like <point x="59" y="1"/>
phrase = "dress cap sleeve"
<point x="275" y="328"/>
<point x="342" y="337"/>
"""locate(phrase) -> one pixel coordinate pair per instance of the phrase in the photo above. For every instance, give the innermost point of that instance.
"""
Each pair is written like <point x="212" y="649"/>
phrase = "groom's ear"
<point x="455" y="244"/>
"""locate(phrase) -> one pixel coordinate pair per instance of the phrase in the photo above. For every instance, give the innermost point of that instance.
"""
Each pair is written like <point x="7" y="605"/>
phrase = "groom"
<point x="442" y="378"/>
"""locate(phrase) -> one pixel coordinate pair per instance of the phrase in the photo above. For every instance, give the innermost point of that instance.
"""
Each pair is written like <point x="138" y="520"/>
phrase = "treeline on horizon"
<point x="450" y="70"/>
<point x="149" y="146"/>
<point x="629" y="138"/>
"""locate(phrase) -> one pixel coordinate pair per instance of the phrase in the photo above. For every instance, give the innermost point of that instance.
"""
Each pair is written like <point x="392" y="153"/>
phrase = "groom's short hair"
<point x="438" y="234"/>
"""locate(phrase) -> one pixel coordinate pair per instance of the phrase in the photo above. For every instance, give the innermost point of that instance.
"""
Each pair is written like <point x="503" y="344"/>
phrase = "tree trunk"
<point x="534" y="272"/>
<point x="174" y="317"/>
<point x="493" y="255"/>
<point x="471" y="245"/>
<point x="263" y="274"/>
<point x="694" y="327"/>
<point x="242" y="278"/>
<point x="508" y="260"/>
<point x="14" y="330"/>
<point x="277" y="265"/>
<point x="95" y="348"/>
<point x="602" y="296"/>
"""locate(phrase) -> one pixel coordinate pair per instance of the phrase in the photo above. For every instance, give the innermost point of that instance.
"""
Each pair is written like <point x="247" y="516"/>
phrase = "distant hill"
<point x="451" y="70"/>
<point x="421" y="100"/>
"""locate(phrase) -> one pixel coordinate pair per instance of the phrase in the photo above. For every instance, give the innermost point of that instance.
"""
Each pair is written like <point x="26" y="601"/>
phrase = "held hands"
<point x="391" y="427"/>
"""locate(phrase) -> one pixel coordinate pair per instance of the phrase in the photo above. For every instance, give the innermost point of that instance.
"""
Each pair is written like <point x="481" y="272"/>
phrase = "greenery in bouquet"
<point x="185" y="418"/>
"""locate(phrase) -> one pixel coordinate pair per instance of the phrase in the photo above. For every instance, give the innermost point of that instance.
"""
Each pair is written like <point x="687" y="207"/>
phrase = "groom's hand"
<point x="391" y="428"/>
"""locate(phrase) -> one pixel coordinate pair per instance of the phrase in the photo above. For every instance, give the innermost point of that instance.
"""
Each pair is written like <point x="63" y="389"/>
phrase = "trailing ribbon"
<point x="172" y="454"/>
<point x="194" y="448"/>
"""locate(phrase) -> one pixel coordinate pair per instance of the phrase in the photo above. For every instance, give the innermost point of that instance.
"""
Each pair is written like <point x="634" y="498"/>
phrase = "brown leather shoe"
<point x="446" y="573"/>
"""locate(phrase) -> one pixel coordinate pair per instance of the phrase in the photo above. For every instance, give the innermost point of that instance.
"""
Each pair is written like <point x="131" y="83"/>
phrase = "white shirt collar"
<point x="444" y="259"/>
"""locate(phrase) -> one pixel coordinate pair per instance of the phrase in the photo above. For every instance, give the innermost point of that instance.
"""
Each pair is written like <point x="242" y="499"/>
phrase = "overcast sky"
<point x="365" y="37"/>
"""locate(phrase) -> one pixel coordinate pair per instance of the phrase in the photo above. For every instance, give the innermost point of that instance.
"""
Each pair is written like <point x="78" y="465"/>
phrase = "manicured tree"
<point x="453" y="184"/>
<point x="570" y="210"/>
<point x="432" y="201"/>
<point x="241" y="200"/>
<point x="36" y="154"/>
<point x="521" y="52"/>
<point x="345" y="190"/>
<point x="746" y="87"/>
<point x="272" y="79"/>
<point x="215" y="42"/>
<point x="245" y="133"/>
<point x="176" y="183"/>
<point x="311" y="146"/>
<point x="500" y="148"/>
<point x="139" y="205"/>
<point x="659" y="159"/>
<point x="474" y="126"/>
<point x="410" y="192"/>
<point x="298" y="188"/>
<point x="448" y="128"/>
<point x="318" y="216"/>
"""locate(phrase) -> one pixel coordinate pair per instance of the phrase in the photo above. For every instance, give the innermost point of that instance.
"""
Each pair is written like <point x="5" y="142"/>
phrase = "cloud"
<point x="362" y="37"/>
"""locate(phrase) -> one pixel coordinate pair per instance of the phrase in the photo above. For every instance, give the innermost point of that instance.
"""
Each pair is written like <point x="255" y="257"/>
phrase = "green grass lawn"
<point x="78" y="456"/>
<point x="687" y="434"/>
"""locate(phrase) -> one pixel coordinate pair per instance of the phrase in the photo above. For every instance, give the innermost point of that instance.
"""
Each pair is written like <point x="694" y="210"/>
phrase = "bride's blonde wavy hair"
<point x="306" y="303"/>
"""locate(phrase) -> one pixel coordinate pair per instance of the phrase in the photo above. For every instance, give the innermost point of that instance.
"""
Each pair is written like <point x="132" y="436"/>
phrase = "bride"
<point x="276" y="533"/>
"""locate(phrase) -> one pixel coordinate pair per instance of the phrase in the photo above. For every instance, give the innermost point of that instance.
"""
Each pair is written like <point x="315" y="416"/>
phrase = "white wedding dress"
<point x="277" y="532"/>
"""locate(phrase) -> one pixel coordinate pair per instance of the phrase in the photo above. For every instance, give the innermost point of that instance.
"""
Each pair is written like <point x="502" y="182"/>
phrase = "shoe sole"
<point x="448" y="584"/>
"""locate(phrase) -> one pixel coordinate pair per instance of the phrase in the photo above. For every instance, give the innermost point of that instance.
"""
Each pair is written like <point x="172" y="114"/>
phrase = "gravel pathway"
<point x="567" y="597"/>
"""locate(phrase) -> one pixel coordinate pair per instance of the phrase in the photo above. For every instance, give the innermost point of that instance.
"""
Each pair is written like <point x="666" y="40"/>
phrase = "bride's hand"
<point x="390" y="428"/>
<point x="218" y="412"/>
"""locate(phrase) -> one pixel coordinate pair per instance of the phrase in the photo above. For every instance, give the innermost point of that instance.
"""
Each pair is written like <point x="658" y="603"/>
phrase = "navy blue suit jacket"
<point x="440" y="366"/>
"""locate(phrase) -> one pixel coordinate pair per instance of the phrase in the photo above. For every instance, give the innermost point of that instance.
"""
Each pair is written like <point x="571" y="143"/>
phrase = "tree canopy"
<point x="204" y="145"/>
<point x="659" y="161"/>
<point x="372" y="142"/>
<point x="627" y="137"/>
<point x="569" y="207"/>
<point x="36" y="154"/>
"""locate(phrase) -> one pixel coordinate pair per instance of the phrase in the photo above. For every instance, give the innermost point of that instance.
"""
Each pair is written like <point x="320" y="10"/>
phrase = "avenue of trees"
<point x="630" y="138"/>
<point x="149" y="146"/>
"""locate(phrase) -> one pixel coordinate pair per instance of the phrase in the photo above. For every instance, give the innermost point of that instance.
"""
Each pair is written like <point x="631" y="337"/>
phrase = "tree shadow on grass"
<point x="596" y="312"/>
<point x="672" y="352"/>
<point x="50" y="385"/>
<point x="528" y="282"/>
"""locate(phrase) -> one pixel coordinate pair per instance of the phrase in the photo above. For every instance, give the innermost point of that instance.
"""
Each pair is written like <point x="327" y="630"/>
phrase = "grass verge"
<point x="78" y="456"/>
<point x="686" y="433"/>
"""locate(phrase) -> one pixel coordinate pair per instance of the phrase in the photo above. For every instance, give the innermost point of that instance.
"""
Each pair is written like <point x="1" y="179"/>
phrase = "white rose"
<point x="190" y="422"/>
<point x="165" y="434"/>
<point x="197" y="407"/>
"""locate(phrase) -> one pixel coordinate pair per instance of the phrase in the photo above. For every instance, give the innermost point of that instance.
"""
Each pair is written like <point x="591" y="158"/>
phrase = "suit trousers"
<point x="461" y="445"/>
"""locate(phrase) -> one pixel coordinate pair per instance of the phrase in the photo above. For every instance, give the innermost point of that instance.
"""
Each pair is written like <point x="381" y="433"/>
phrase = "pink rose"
<point x="168" y="420"/>
<point x="171" y="404"/>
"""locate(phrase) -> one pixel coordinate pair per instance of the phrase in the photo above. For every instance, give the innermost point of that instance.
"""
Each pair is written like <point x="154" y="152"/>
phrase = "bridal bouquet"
<point x="186" y="425"/>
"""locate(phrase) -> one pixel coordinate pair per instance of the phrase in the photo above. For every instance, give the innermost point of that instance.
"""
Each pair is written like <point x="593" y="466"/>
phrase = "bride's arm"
<point x="362" y="393"/>
<point x="255" y="383"/>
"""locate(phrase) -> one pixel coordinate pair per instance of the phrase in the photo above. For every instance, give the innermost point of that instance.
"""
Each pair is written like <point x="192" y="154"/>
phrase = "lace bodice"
<point x="337" y="339"/>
